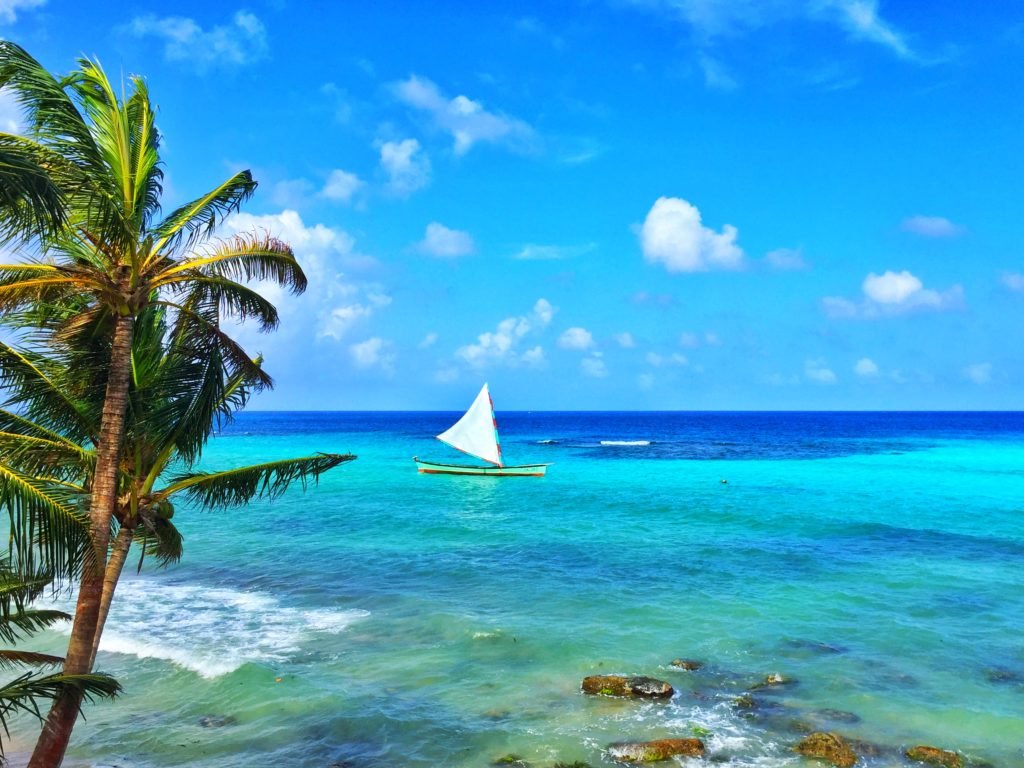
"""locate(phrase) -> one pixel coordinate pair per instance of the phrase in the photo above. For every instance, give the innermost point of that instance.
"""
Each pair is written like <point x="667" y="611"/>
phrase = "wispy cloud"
<point x="341" y="186"/>
<point x="866" y="368"/>
<point x="466" y="120"/>
<point x="979" y="373"/>
<point x="893" y="293"/>
<point x="375" y="352"/>
<point x="538" y="252"/>
<point x="576" y="338"/>
<point x="932" y="226"/>
<point x="786" y="259"/>
<point x="241" y="41"/>
<point x="673" y="235"/>
<point x="1013" y="280"/>
<point x="594" y="366"/>
<point x="9" y="9"/>
<point x="819" y="372"/>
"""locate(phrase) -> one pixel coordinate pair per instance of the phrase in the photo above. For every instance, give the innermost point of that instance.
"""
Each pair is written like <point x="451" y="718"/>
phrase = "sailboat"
<point x="476" y="433"/>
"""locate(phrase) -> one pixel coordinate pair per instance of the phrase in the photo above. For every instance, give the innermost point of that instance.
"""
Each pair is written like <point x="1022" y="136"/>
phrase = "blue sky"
<point x="604" y="204"/>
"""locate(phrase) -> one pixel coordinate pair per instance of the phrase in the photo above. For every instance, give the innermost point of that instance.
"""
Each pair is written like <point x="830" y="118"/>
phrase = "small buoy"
<point x="278" y="679"/>
<point x="723" y="481"/>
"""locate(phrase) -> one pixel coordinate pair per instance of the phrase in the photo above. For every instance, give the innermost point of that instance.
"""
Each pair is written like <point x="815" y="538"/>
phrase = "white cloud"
<point x="594" y="366"/>
<point x="445" y="243"/>
<point x="860" y="18"/>
<point x="501" y="346"/>
<point x="241" y="41"/>
<point x="1012" y="280"/>
<point x="714" y="18"/>
<point x="676" y="359"/>
<point x="979" y="373"/>
<point x="341" y="186"/>
<point x="645" y="381"/>
<point x="373" y="353"/>
<point x="672" y="234"/>
<point x="446" y="375"/>
<point x="535" y="252"/>
<point x="715" y="74"/>
<point x="576" y="338"/>
<point x="428" y="341"/>
<point x="691" y="340"/>
<point x="625" y="340"/>
<point x="332" y="304"/>
<point x="866" y="367"/>
<point x="406" y="165"/>
<point x="893" y="293"/>
<point x="10" y="113"/>
<point x="464" y="119"/>
<point x="932" y="226"/>
<point x="786" y="259"/>
<point x="818" y="370"/>
<point x="9" y="9"/>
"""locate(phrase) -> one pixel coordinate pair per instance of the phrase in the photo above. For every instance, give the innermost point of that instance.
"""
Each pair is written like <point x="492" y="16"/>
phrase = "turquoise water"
<point x="387" y="618"/>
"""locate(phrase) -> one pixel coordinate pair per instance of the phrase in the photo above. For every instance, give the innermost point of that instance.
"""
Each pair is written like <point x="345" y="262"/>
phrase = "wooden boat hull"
<point x="524" y="470"/>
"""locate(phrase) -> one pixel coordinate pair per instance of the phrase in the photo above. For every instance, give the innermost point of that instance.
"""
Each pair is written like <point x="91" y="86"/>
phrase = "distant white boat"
<point x="476" y="433"/>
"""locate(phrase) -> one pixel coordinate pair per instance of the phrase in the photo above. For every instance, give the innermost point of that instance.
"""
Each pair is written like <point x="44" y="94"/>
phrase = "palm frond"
<point x="27" y="692"/>
<point x="233" y="487"/>
<point x="196" y="220"/>
<point x="243" y="258"/>
<point x="30" y="202"/>
<point x="28" y="621"/>
<point x="12" y="659"/>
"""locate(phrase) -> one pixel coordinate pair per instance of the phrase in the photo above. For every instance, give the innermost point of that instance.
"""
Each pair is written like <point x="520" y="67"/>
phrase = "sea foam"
<point x="625" y="442"/>
<point x="212" y="630"/>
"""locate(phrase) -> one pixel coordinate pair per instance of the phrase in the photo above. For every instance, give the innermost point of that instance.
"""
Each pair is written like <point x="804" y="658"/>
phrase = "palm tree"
<point x="112" y="258"/>
<point x="18" y="620"/>
<point x="179" y="391"/>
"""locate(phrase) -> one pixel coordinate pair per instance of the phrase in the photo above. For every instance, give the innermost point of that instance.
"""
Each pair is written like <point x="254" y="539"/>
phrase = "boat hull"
<point x="524" y="470"/>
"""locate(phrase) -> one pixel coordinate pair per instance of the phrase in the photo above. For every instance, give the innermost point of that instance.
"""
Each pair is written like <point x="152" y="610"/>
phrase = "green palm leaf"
<point x="234" y="487"/>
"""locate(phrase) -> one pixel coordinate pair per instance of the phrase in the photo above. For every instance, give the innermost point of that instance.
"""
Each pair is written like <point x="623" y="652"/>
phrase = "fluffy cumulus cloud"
<point x="673" y="235"/>
<point x="932" y="226"/>
<point x="893" y="293"/>
<point x="866" y="368"/>
<point x="818" y="371"/>
<point x="445" y="243"/>
<point x="341" y="186"/>
<point x="504" y="345"/>
<point x="625" y="340"/>
<point x="467" y="121"/>
<point x="428" y="341"/>
<point x="375" y="352"/>
<point x="406" y="166"/>
<point x="785" y="259"/>
<point x="576" y="338"/>
<point x="9" y="9"/>
<point x="979" y="373"/>
<point x="333" y="304"/>
<point x="240" y="41"/>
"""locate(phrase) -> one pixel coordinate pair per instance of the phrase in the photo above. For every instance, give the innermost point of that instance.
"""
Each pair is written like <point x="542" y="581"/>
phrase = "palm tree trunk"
<point x="53" y="741"/>
<point x="118" y="556"/>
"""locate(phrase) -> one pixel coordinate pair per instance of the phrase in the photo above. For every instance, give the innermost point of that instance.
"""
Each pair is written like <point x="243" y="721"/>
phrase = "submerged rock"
<point x="688" y="664"/>
<point x="1001" y="675"/>
<point x="828" y="746"/>
<point x="616" y="685"/>
<point x="771" y="681"/>
<point x="653" y="751"/>
<point x="935" y="756"/>
<point x="746" y="701"/>
<point x="576" y="764"/>
<point x="835" y="715"/>
<point x="212" y="721"/>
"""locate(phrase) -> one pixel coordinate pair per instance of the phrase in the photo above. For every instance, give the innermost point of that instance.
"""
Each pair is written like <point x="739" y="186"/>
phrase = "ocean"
<point x="386" y="618"/>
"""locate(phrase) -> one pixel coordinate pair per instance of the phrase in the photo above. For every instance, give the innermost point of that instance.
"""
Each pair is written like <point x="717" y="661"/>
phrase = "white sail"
<point x="476" y="433"/>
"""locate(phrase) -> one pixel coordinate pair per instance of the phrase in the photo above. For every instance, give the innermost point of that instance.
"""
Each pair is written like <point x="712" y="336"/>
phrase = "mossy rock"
<point x="655" y="751"/>
<point x="617" y="685"/>
<point x="577" y="764"/>
<point x="935" y="756"/>
<point x="688" y="664"/>
<point x="828" y="746"/>
<point x="511" y="760"/>
<point x="746" y="701"/>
